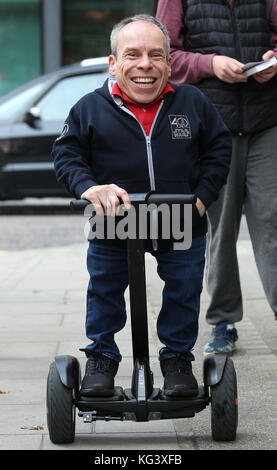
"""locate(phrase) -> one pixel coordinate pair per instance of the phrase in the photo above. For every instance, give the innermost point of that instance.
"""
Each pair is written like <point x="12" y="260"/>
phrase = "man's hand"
<point x="200" y="206"/>
<point x="105" y="198"/>
<point x="266" y="74"/>
<point x="227" y="69"/>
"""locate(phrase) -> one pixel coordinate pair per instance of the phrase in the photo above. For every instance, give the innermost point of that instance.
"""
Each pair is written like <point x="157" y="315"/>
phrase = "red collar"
<point x="116" y="91"/>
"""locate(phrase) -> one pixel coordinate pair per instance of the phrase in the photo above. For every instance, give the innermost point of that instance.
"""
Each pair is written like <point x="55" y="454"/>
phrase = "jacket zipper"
<point x="149" y="160"/>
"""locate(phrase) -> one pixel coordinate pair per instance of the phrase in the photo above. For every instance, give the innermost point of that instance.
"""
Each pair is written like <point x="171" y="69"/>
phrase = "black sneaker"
<point x="99" y="376"/>
<point x="178" y="378"/>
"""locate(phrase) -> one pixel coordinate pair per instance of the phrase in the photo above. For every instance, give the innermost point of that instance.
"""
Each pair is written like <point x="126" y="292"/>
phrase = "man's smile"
<point x="144" y="81"/>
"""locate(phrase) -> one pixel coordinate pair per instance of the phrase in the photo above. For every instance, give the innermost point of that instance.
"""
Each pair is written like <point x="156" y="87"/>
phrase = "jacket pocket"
<point x="196" y="217"/>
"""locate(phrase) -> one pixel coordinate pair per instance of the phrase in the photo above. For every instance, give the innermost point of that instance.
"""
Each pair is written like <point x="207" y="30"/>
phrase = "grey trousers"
<point x="252" y="183"/>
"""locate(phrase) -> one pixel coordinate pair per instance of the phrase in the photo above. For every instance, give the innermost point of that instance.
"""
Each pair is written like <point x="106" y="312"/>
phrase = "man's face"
<point x="141" y="67"/>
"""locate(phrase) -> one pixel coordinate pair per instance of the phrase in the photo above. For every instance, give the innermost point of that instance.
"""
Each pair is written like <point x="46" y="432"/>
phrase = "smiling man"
<point x="136" y="134"/>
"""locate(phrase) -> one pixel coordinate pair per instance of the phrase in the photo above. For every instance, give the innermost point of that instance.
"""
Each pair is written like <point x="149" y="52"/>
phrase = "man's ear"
<point x="112" y="64"/>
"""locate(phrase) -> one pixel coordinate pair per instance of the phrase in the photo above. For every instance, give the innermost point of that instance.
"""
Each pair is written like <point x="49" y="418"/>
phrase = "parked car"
<point x="31" y="117"/>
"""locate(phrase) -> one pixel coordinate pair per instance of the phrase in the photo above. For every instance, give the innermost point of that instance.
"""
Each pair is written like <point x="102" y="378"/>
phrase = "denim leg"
<point x="106" y="312"/>
<point x="177" y="324"/>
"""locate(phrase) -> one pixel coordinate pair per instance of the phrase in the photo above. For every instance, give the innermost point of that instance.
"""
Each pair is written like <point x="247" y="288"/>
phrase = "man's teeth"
<point x="144" y="80"/>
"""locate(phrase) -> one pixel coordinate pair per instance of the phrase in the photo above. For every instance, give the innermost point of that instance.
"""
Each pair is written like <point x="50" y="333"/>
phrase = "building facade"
<point x="39" y="36"/>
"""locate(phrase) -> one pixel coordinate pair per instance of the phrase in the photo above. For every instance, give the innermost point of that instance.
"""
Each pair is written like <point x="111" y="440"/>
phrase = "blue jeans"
<point x="177" y="323"/>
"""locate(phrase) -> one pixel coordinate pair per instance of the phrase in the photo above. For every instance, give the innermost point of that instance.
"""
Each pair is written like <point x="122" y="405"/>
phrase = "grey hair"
<point x="142" y="17"/>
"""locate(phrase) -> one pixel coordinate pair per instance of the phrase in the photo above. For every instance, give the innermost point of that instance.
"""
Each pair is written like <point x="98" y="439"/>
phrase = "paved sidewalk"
<point x="42" y="312"/>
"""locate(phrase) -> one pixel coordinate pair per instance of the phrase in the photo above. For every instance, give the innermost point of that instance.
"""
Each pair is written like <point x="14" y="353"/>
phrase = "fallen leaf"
<point x="32" y="428"/>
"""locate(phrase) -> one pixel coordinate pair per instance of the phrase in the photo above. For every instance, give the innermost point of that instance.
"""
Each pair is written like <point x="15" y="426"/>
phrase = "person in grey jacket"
<point x="211" y="40"/>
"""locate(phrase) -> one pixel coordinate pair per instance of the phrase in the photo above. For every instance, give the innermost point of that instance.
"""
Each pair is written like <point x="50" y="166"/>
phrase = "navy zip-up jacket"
<point x="187" y="151"/>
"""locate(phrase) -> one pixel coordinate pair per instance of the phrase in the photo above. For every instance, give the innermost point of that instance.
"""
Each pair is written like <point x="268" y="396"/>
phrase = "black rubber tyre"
<point x="224" y="405"/>
<point x="60" y="409"/>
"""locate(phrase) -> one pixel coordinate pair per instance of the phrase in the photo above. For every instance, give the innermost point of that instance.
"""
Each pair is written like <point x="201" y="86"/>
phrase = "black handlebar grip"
<point x="157" y="199"/>
<point x="79" y="204"/>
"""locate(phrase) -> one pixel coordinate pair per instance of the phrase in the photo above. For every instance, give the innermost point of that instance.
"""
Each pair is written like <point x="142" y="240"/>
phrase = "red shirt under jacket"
<point x="145" y="113"/>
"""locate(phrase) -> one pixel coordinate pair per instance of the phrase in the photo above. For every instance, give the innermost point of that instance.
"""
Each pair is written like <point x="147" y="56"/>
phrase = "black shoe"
<point x="99" y="376"/>
<point x="178" y="378"/>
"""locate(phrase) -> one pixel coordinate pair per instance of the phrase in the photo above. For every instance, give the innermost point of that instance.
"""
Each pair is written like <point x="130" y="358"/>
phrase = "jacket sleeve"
<point x="71" y="154"/>
<point x="215" y="152"/>
<point x="187" y="67"/>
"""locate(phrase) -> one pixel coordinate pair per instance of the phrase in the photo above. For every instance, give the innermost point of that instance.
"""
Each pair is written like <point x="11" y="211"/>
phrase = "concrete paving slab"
<point x="23" y="391"/>
<point x="25" y="443"/>
<point x="18" y="419"/>
<point x="26" y="349"/>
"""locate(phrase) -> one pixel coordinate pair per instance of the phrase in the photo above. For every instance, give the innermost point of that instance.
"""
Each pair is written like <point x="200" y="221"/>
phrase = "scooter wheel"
<point x="60" y="409"/>
<point x="224" y="405"/>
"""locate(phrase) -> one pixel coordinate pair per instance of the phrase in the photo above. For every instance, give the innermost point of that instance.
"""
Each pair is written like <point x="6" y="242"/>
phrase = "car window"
<point x="10" y="108"/>
<point x="55" y="105"/>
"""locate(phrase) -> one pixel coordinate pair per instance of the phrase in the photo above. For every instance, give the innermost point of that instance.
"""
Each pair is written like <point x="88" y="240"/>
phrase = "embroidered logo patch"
<point x="64" y="131"/>
<point x="180" y="126"/>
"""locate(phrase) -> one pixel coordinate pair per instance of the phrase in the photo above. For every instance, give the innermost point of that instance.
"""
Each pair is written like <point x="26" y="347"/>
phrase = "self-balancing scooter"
<point x="141" y="402"/>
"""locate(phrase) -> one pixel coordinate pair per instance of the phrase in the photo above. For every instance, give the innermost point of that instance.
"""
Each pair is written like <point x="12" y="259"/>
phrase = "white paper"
<point x="253" y="67"/>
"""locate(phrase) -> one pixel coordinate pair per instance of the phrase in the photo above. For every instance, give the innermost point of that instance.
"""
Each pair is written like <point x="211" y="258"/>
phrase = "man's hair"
<point x="149" y="19"/>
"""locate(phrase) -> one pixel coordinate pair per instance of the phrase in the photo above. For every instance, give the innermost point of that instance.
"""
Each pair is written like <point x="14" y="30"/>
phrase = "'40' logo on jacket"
<point x="180" y="126"/>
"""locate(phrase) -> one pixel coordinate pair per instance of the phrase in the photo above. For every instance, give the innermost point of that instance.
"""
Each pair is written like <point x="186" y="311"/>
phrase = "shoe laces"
<point x="98" y="363"/>
<point x="222" y="331"/>
<point x="177" y="364"/>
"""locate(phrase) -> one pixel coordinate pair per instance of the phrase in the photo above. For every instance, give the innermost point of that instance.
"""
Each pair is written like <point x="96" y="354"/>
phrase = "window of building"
<point x="20" y="42"/>
<point x="87" y="25"/>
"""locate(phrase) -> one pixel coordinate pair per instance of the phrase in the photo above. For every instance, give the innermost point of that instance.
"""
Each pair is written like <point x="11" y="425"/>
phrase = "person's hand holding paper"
<point x="268" y="73"/>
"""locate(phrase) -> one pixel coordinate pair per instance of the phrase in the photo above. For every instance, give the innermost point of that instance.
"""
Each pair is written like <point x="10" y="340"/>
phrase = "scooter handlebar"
<point x="148" y="198"/>
<point x="156" y="198"/>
